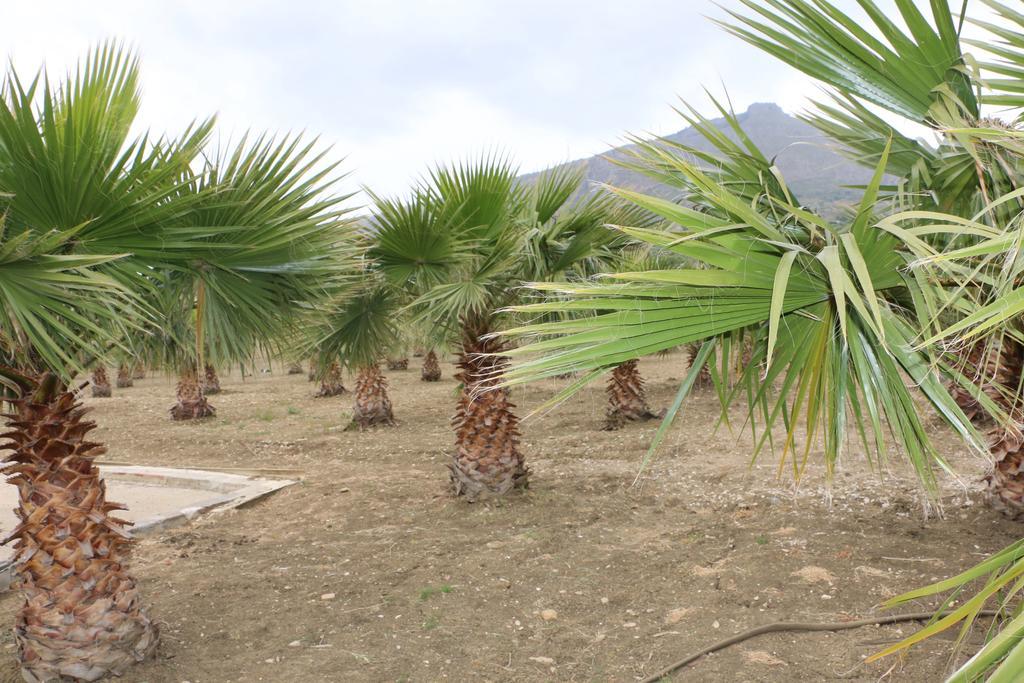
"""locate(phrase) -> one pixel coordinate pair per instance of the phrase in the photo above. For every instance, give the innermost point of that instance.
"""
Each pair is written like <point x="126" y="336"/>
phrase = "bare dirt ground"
<point x="368" y="571"/>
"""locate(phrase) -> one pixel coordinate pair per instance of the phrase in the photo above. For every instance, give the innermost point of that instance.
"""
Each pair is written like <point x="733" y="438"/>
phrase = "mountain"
<point x="814" y="171"/>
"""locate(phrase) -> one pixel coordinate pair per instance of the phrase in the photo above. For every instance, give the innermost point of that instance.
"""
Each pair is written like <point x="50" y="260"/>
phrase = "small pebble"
<point x="548" y="615"/>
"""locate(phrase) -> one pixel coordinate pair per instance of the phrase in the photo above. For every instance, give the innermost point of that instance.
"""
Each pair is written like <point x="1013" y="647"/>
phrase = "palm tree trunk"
<point x="191" y="403"/>
<point x="295" y="369"/>
<point x="124" y="377"/>
<point x="431" y="371"/>
<point x="82" y="616"/>
<point x="312" y="370"/>
<point x="704" y="380"/>
<point x="139" y="371"/>
<point x="372" y="405"/>
<point x="627" y="399"/>
<point x="398" y="364"/>
<point x="487" y="461"/>
<point x="331" y="384"/>
<point x="997" y="366"/>
<point x="100" y="382"/>
<point x="211" y="383"/>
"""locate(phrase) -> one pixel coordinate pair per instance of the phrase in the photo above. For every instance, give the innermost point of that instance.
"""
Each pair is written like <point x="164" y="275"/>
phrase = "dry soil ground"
<point x="368" y="571"/>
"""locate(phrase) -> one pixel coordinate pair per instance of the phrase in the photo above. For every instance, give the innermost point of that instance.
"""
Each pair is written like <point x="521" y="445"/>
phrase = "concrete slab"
<point x="157" y="497"/>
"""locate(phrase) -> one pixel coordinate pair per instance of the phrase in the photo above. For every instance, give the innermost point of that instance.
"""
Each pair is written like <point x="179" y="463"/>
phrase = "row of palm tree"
<point x="189" y="256"/>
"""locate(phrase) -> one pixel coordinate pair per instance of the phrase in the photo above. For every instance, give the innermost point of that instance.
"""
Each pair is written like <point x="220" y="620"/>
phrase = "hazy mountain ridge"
<point x="814" y="171"/>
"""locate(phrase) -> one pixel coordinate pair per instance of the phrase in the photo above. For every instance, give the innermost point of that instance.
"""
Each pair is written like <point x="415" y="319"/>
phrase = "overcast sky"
<point x="395" y="85"/>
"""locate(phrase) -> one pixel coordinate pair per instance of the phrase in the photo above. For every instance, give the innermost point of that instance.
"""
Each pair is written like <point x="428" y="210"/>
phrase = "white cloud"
<point x="397" y="84"/>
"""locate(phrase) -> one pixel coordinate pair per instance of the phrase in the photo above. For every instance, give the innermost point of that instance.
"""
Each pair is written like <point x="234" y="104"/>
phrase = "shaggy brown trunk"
<point x="431" y="371"/>
<point x="211" y="383"/>
<point x="398" y="364"/>
<point x="372" y="406"/>
<point x="191" y="403"/>
<point x="312" y="370"/>
<point x="295" y="369"/>
<point x="487" y="461"/>
<point x="331" y="383"/>
<point x="997" y="366"/>
<point x="81" y="618"/>
<point x="627" y="399"/>
<point x="704" y="380"/>
<point x="100" y="383"/>
<point x="139" y="371"/>
<point x="124" y="377"/>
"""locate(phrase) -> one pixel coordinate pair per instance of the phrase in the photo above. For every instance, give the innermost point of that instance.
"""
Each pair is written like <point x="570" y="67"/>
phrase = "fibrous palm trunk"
<point x="211" y="382"/>
<point x="331" y="383"/>
<point x="398" y="364"/>
<point x="704" y="380"/>
<point x="124" y="377"/>
<point x="627" y="399"/>
<point x="139" y="371"/>
<point x="100" y="383"/>
<point x="487" y="461"/>
<point x="312" y="370"/>
<point x="192" y="404"/>
<point x="431" y="371"/>
<point x="82" y="616"/>
<point x="372" y="404"/>
<point x="295" y="369"/>
<point x="997" y="366"/>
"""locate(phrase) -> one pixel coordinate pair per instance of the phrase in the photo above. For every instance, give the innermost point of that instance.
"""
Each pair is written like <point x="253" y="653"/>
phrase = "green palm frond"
<point x="80" y="196"/>
<point x="907" y="72"/>
<point x="264" y="235"/>
<point x="825" y="306"/>
<point x="412" y="243"/>
<point x="360" y="326"/>
<point x="1001" y="578"/>
<point x="1004" y="74"/>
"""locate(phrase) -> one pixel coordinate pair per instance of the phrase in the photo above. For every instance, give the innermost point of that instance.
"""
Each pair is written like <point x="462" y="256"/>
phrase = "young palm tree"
<point x="460" y="247"/>
<point x="627" y="398"/>
<point x="332" y="384"/>
<point x="359" y="327"/>
<point x="925" y="76"/>
<point x="431" y="370"/>
<point x="267" y="238"/>
<point x="830" y="312"/>
<point x="124" y="376"/>
<point x="398" y="363"/>
<point x="100" y="382"/>
<point x="211" y="382"/>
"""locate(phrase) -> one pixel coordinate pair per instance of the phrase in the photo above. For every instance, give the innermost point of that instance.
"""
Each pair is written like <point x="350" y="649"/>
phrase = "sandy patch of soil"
<point x="368" y="571"/>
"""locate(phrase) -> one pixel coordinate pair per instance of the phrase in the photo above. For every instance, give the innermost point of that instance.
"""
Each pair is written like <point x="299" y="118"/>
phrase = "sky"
<point x="395" y="86"/>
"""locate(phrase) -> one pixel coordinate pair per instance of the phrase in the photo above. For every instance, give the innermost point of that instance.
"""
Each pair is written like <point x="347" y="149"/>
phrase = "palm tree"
<point x="359" y="327"/>
<point x="79" y="195"/>
<point x="100" y="382"/>
<point x="96" y="224"/>
<point x="431" y="370"/>
<point x="460" y="247"/>
<point x="926" y="77"/>
<point x="332" y="384"/>
<point x="828" y="309"/>
<point x="267" y="238"/>
<point x="836" y="314"/>
<point x="124" y="376"/>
